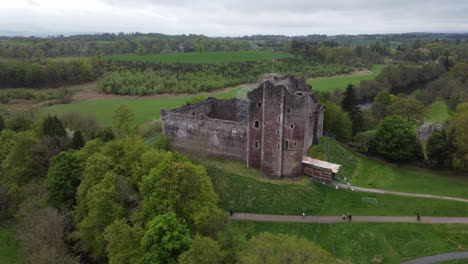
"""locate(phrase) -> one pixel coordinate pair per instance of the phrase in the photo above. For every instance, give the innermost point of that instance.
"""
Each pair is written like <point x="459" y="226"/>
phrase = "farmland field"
<point x="331" y="84"/>
<point x="205" y="57"/>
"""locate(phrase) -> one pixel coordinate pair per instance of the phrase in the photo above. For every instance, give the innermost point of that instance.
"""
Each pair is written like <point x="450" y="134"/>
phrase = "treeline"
<point x="116" y="199"/>
<point x="138" y="78"/>
<point x="331" y="52"/>
<point x="49" y="73"/>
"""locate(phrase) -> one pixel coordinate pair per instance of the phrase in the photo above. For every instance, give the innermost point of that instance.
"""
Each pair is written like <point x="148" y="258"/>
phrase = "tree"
<point x="410" y="108"/>
<point x="337" y="122"/>
<point x="62" y="179"/>
<point x="77" y="140"/>
<point x="349" y="104"/>
<point x="381" y="103"/>
<point x="282" y="248"/>
<point x="165" y="239"/>
<point x="106" y="134"/>
<point x="460" y="135"/>
<point x="141" y="50"/>
<point x="18" y="124"/>
<point x="163" y="143"/>
<point x="437" y="148"/>
<point x="123" y="120"/>
<point x="180" y="187"/>
<point x="203" y="250"/>
<point x="53" y="127"/>
<point x="2" y="123"/>
<point x="395" y="139"/>
<point x="232" y="241"/>
<point x="123" y="242"/>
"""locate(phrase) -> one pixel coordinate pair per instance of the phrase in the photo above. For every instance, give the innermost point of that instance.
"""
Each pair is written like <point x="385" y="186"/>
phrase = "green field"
<point x="437" y="113"/>
<point x="145" y="110"/>
<point x="204" y="57"/>
<point x="246" y="190"/>
<point x="9" y="247"/>
<point x="386" y="243"/>
<point x="372" y="173"/>
<point x="339" y="83"/>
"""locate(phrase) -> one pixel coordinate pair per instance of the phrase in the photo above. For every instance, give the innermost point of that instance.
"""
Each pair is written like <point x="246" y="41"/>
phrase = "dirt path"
<point x="439" y="258"/>
<point x="339" y="219"/>
<point x="354" y="73"/>
<point x="369" y="190"/>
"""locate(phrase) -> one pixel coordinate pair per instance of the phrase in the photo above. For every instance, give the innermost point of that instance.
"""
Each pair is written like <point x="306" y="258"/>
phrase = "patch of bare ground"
<point x="354" y="73"/>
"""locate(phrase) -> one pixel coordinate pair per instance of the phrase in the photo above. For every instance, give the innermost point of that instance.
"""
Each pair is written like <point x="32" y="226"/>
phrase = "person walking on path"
<point x="344" y="217"/>
<point x="350" y="217"/>
<point x="232" y="211"/>
<point x="303" y="214"/>
<point x="418" y="216"/>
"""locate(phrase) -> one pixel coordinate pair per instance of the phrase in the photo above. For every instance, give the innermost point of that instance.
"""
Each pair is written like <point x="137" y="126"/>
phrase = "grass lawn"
<point x="438" y="113"/>
<point x="204" y="57"/>
<point x="373" y="173"/>
<point x="9" y="247"/>
<point x="145" y="110"/>
<point x="245" y="190"/>
<point x="339" y="83"/>
<point x="372" y="242"/>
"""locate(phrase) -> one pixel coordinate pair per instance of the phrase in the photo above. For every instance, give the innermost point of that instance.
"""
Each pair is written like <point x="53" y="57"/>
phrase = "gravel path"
<point x="336" y="219"/>
<point x="369" y="190"/>
<point x="439" y="258"/>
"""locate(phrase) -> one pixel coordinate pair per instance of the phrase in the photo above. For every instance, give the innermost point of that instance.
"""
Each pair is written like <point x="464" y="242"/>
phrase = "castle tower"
<point x="284" y="121"/>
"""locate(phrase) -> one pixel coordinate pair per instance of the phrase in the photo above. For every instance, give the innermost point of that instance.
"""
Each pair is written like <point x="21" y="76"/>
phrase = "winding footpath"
<point x="439" y="258"/>
<point x="369" y="190"/>
<point x="337" y="219"/>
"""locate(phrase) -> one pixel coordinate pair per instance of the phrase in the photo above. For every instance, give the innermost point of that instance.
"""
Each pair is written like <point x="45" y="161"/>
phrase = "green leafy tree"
<point x="77" y="141"/>
<point x="53" y="127"/>
<point x="123" y="120"/>
<point x="349" y="104"/>
<point x="7" y="141"/>
<point x="123" y="242"/>
<point x="179" y="187"/>
<point x="62" y="179"/>
<point x="437" y="148"/>
<point x="232" y="241"/>
<point x="336" y="122"/>
<point x="102" y="209"/>
<point x="411" y="109"/>
<point x="282" y="248"/>
<point x="106" y="134"/>
<point x="163" y="143"/>
<point x="165" y="240"/>
<point x="395" y="139"/>
<point x="203" y="250"/>
<point x="141" y="50"/>
<point x="18" y="166"/>
<point x="381" y="103"/>
<point x="2" y="123"/>
<point x="18" y="124"/>
<point x="460" y="134"/>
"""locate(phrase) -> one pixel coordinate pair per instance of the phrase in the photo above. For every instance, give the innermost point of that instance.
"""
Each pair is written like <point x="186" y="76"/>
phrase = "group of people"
<point x="347" y="216"/>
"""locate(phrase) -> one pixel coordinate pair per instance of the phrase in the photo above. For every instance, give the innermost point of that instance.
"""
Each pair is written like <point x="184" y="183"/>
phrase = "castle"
<point x="270" y="132"/>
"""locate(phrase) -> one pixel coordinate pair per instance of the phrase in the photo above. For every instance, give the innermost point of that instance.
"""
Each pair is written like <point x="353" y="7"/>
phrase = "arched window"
<point x="257" y="145"/>
<point x="257" y="124"/>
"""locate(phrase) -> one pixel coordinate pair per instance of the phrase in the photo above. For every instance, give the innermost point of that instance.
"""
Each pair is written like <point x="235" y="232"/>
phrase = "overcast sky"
<point x="235" y="17"/>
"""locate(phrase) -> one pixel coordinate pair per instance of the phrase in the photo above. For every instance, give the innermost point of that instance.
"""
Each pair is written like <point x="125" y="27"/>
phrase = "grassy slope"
<point x="372" y="173"/>
<point x="145" y="109"/>
<point x="245" y="190"/>
<point x="205" y="57"/>
<point x="438" y="113"/>
<point x="339" y="83"/>
<point x="372" y="242"/>
<point x="9" y="247"/>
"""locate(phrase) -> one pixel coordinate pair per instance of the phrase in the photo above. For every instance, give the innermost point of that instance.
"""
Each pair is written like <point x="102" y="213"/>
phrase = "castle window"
<point x="278" y="146"/>
<point x="289" y="110"/>
<point x="279" y="118"/>
<point x="277" y="132"/>
<point x="257" y="144"/>
<point x="295" y="143"/>
<point x="257" y="124"/>
<point x="292" y="125"/>
<point x="259" y="105"/>
<point x="286" y="145"/>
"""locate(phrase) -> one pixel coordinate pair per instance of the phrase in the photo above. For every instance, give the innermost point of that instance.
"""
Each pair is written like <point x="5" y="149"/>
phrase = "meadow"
<point x="331" y="84"/>
<point x="385" y="243"/>
<point x="437" y="113"/>
<point x="202" y="57"/>
<point x="9" y="247"/>
<point x="370" y="172"/>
